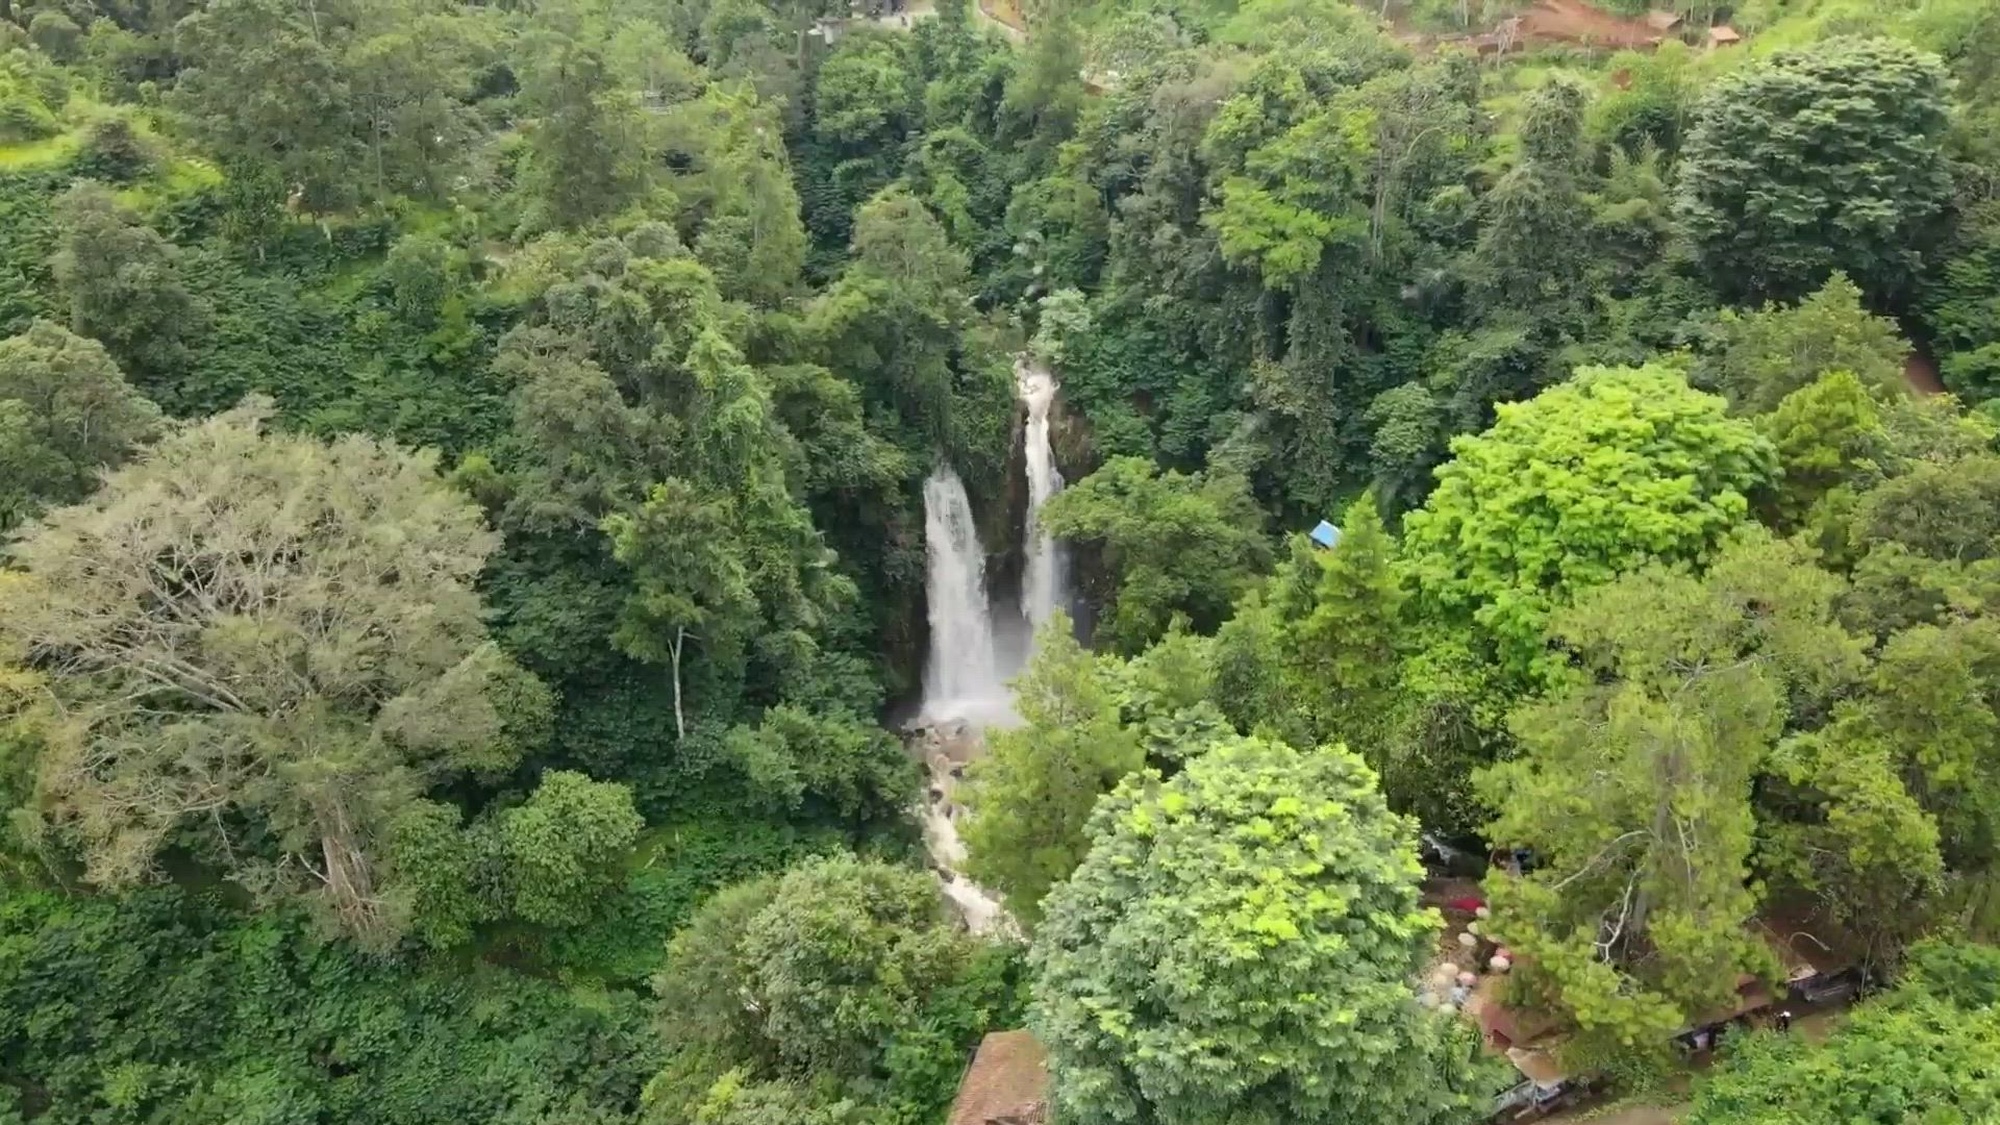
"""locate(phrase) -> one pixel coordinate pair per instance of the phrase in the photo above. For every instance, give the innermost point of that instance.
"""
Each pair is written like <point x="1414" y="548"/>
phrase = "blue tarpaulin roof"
<point x="1326" y="535"/>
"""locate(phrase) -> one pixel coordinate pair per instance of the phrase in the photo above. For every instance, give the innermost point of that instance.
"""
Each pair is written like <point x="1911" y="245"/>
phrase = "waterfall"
<point x="964" y="690"/>
<point x="1043" y="583"/>
<point x="961" y="674"/>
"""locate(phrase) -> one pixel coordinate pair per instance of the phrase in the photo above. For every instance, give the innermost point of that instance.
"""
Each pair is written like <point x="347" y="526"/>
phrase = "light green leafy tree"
<point x="1617" y="468"/>
<point x="845" y="954"/>
<point x="564" y="850"/>
<point x="1240" y="945"/>
<point x="1921" y="1053"/>
<point x="701" y="985"/>
<point x="1301" y="194"/>
<point x="1838" y="822"/>
<point x="1827" y="434"/>
<point x="553" y="860"/>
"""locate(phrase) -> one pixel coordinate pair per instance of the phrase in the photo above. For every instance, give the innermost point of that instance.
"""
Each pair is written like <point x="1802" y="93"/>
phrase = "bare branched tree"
<point x="264" y="644"/>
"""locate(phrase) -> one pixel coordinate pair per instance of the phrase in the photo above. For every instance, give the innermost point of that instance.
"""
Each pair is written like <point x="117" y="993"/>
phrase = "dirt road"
<point x="1573" y="21"/>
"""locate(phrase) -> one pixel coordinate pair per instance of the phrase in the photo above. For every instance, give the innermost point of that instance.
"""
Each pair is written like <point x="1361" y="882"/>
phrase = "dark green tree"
<point x="265" y="83"/>
<point x="1821" y="158"/>
<point x="66" y="414"/>
<point x="1172" y="542"/>
<point x="123" y="285"/>
<point x="585" y="144"/>
<point x="1533" y="252"/>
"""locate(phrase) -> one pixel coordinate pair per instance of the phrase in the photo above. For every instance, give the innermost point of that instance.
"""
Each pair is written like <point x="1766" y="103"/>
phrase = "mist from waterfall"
<point x="1044" y="581"/>
<point x="961" y="674"/>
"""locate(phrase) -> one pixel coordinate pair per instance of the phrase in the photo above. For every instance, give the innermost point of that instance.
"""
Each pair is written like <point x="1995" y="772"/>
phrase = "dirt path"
<point x="1922" y="374"/>
<point x="1544" y="22"/>
<point x="1005" y="15"/>
<point x="1573" y="21"/>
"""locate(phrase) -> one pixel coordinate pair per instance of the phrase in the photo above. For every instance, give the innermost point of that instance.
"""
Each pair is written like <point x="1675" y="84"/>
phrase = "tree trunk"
<point x="680" y="722"/>
<point x="350" y="881"/>
<point x="1667" y="779"/>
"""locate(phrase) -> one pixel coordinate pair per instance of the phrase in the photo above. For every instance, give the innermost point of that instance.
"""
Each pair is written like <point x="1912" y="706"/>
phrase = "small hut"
<point x="1723" y="35"/>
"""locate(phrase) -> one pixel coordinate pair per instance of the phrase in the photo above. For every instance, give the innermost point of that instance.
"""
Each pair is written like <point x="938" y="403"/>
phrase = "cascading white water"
<point x="963" y="692"/>
<point x="1044" y="583"/>
<point x="961" y="674"/>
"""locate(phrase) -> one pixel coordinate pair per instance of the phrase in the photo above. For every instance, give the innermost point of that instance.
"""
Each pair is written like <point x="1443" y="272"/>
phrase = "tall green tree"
<point x="692" y="583"/>
<point x="123" y="285"/>
<point x="736" y="191"/>
<point x="66" y="413"/>
<point x="264" y="648"/>
<point x="1345" y="648"/>
<point x="1768" y="353"/>
<point x="585" y="145"/>
<point x="1595" y="477"/>
<point x="1820" y="158"/>
<point x="1239" y="945"/>
<point x="1633" y="919"/>
<point x="1030" y="795"/>
<point x="1173" y="543"/>
<point x="1840" y="823"/>
<point x="265" y="84"/>
<point x="410" y="81"/>
<point x="897" y="324"/>
<point x="1532" y="252"/>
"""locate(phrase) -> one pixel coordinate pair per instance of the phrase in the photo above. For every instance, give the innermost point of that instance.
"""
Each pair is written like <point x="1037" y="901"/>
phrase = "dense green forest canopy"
<point x="462" y="479"/>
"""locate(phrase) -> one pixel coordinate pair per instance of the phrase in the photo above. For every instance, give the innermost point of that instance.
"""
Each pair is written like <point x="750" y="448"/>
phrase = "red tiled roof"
<point x="1008" y="1082"/>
